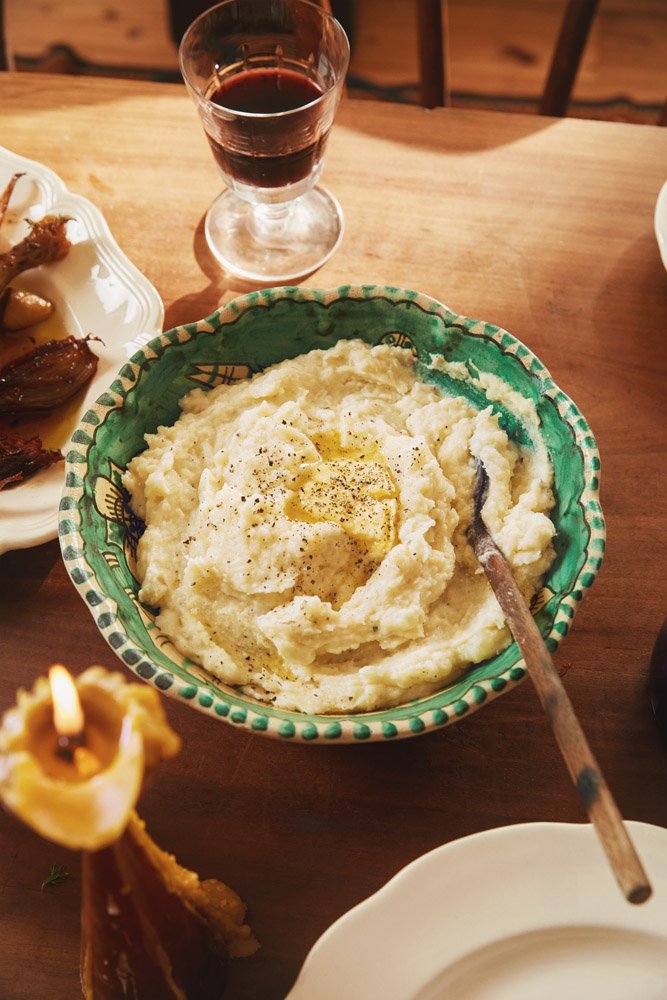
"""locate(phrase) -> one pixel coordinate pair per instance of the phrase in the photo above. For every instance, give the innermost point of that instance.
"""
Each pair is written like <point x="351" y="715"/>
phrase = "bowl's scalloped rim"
<point x="425" y="715"/>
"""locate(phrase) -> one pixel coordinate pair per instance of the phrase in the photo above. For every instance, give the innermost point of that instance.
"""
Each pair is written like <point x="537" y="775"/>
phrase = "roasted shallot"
<point x="46" y="377"/>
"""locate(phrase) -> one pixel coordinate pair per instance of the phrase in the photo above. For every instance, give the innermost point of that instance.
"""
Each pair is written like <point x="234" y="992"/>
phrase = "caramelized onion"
<point x="46" y="377"/>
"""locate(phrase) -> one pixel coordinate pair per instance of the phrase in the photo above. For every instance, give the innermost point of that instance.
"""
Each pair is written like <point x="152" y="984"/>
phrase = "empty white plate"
<point x="510" y="914"/>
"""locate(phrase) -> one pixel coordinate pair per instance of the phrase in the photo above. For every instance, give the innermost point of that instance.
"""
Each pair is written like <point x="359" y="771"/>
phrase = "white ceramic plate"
<point x="515" y="913"/>
<point x="96" y="290"/>
<point x="660" y="222"/>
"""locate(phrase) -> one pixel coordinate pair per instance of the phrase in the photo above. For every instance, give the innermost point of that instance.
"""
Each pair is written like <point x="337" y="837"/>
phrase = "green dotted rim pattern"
<point x="98" y="568"/>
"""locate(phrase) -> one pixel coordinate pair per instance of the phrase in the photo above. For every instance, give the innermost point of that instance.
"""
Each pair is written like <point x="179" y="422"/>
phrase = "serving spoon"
<point x="578" y="756"/>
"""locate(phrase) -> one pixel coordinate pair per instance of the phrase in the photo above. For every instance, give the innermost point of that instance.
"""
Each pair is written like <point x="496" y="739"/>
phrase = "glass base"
<point x="274" y="243"/>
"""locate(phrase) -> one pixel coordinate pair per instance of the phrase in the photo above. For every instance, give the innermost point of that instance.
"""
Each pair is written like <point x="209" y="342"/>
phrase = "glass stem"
<point x="270" y="224"/>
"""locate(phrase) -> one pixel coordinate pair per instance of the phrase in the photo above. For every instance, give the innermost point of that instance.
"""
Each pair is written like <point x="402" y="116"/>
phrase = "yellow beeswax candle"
<point x="81" y="798"/>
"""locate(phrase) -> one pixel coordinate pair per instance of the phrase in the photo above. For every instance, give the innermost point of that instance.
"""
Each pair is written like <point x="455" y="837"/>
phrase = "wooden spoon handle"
<point x="577" y="754"/>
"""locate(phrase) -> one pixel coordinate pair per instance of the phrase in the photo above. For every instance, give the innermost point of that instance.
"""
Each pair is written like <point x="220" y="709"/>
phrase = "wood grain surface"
<point x="545" y="228"/>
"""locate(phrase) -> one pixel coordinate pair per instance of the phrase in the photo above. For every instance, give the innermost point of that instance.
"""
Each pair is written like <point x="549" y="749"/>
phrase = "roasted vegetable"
<point x="47" y="376"/>
<point x="21" y="458"/>
<point x="6" y="195"/>
<point x="19" y="309"/>
<point x="45" y="243"/>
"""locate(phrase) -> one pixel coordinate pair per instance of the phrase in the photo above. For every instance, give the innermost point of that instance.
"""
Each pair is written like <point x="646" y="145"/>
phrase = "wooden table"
<point x="543" y="227"/>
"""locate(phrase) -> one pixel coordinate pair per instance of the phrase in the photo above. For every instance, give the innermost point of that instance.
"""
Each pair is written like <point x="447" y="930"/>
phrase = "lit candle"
<point x="67" y="713"/>
<point x="72" y="759"/>
<point x="81" y="792"/>
<point x="69" y="723"/>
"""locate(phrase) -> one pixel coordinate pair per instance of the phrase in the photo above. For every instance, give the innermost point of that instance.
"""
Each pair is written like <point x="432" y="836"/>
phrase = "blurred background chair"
<point x="434" y="44"/>
<point x="568" y="51"/>
<point x="519" y="55"/>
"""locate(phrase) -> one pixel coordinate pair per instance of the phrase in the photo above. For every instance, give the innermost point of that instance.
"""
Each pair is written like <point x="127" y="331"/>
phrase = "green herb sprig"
<point x="56" y="876"/>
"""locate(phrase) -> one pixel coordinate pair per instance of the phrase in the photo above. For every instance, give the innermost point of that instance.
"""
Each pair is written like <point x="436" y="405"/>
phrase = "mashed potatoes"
<point x="306" y="529"/>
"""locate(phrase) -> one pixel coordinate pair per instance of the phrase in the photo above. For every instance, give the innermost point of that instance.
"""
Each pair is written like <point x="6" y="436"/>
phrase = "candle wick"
<point x="67" y="745"/>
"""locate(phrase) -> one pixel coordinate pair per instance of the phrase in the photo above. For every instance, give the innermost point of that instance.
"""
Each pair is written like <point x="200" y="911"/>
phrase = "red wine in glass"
<point x="261" y="152"/>
<point x="266" y="77"/>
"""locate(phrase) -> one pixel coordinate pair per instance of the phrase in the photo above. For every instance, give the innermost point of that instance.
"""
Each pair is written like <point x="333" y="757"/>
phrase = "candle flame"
<point x="67" y="712"/>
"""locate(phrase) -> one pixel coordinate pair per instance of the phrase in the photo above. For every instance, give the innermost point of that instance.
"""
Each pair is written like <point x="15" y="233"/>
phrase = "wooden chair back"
<point x="433" y="36"/>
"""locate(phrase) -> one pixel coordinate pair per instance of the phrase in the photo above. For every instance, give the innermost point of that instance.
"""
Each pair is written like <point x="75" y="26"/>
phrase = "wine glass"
<point x="266" y="77"/>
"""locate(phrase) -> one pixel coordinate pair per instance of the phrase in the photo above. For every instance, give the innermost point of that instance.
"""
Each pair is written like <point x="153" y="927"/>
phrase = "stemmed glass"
<point x="266" y="77"/>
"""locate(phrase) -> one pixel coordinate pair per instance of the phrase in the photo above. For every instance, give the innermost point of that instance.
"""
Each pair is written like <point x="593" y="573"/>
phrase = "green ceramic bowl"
<point x="99" y="533"/>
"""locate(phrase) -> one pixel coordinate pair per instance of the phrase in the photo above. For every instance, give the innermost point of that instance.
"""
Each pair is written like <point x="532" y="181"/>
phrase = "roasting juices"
<point x="261" y="151"/>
